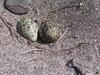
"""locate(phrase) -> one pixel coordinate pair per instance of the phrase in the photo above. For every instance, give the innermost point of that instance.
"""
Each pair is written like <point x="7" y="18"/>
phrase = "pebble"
<point x="19" y="7"/>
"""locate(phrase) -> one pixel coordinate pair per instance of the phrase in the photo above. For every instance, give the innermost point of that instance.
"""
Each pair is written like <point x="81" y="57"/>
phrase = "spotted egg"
<point x="49" y="34"/>
<point x="28" y="28"/>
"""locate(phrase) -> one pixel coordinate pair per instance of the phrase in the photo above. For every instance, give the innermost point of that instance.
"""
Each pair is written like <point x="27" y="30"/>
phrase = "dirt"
<point x="79" y="21"/>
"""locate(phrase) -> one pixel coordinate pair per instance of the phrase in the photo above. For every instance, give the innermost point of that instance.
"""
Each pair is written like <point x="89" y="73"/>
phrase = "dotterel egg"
<point x="28" y="29"/>
<point x="49" y="34"/>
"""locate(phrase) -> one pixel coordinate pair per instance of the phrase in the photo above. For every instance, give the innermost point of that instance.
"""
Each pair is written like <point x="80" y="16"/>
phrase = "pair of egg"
<point x="32" y="31"/>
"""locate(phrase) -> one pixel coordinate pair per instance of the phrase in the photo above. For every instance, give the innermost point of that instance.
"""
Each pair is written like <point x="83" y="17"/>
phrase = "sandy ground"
<point x="80" y="40"/>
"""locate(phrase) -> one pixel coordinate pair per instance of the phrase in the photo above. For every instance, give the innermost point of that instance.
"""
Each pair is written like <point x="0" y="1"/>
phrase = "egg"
<point x="49" y="33"/>
<point x="28" y="28"/>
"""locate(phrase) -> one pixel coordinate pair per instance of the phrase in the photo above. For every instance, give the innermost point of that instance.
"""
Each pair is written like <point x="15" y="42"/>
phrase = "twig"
<point x="60" y="38"/>
<point x="8" y="25"/>
<point x="36" y="10"/>
<point x="31" y="51"/>
<point x="52" y="51"/>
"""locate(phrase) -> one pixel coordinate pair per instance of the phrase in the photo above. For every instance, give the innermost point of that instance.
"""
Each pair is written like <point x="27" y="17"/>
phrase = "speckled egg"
<point x="49" y="34"/>
<point x="28" y="29"/>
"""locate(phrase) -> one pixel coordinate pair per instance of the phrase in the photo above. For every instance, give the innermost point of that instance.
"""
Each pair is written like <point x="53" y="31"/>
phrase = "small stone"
<point x="28" y="29"/>
<point x="19" y="7"/>
<point x="49" y="34"/>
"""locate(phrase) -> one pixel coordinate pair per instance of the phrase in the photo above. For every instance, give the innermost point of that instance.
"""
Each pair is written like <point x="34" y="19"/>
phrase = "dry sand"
<point x="80" y="40"/>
